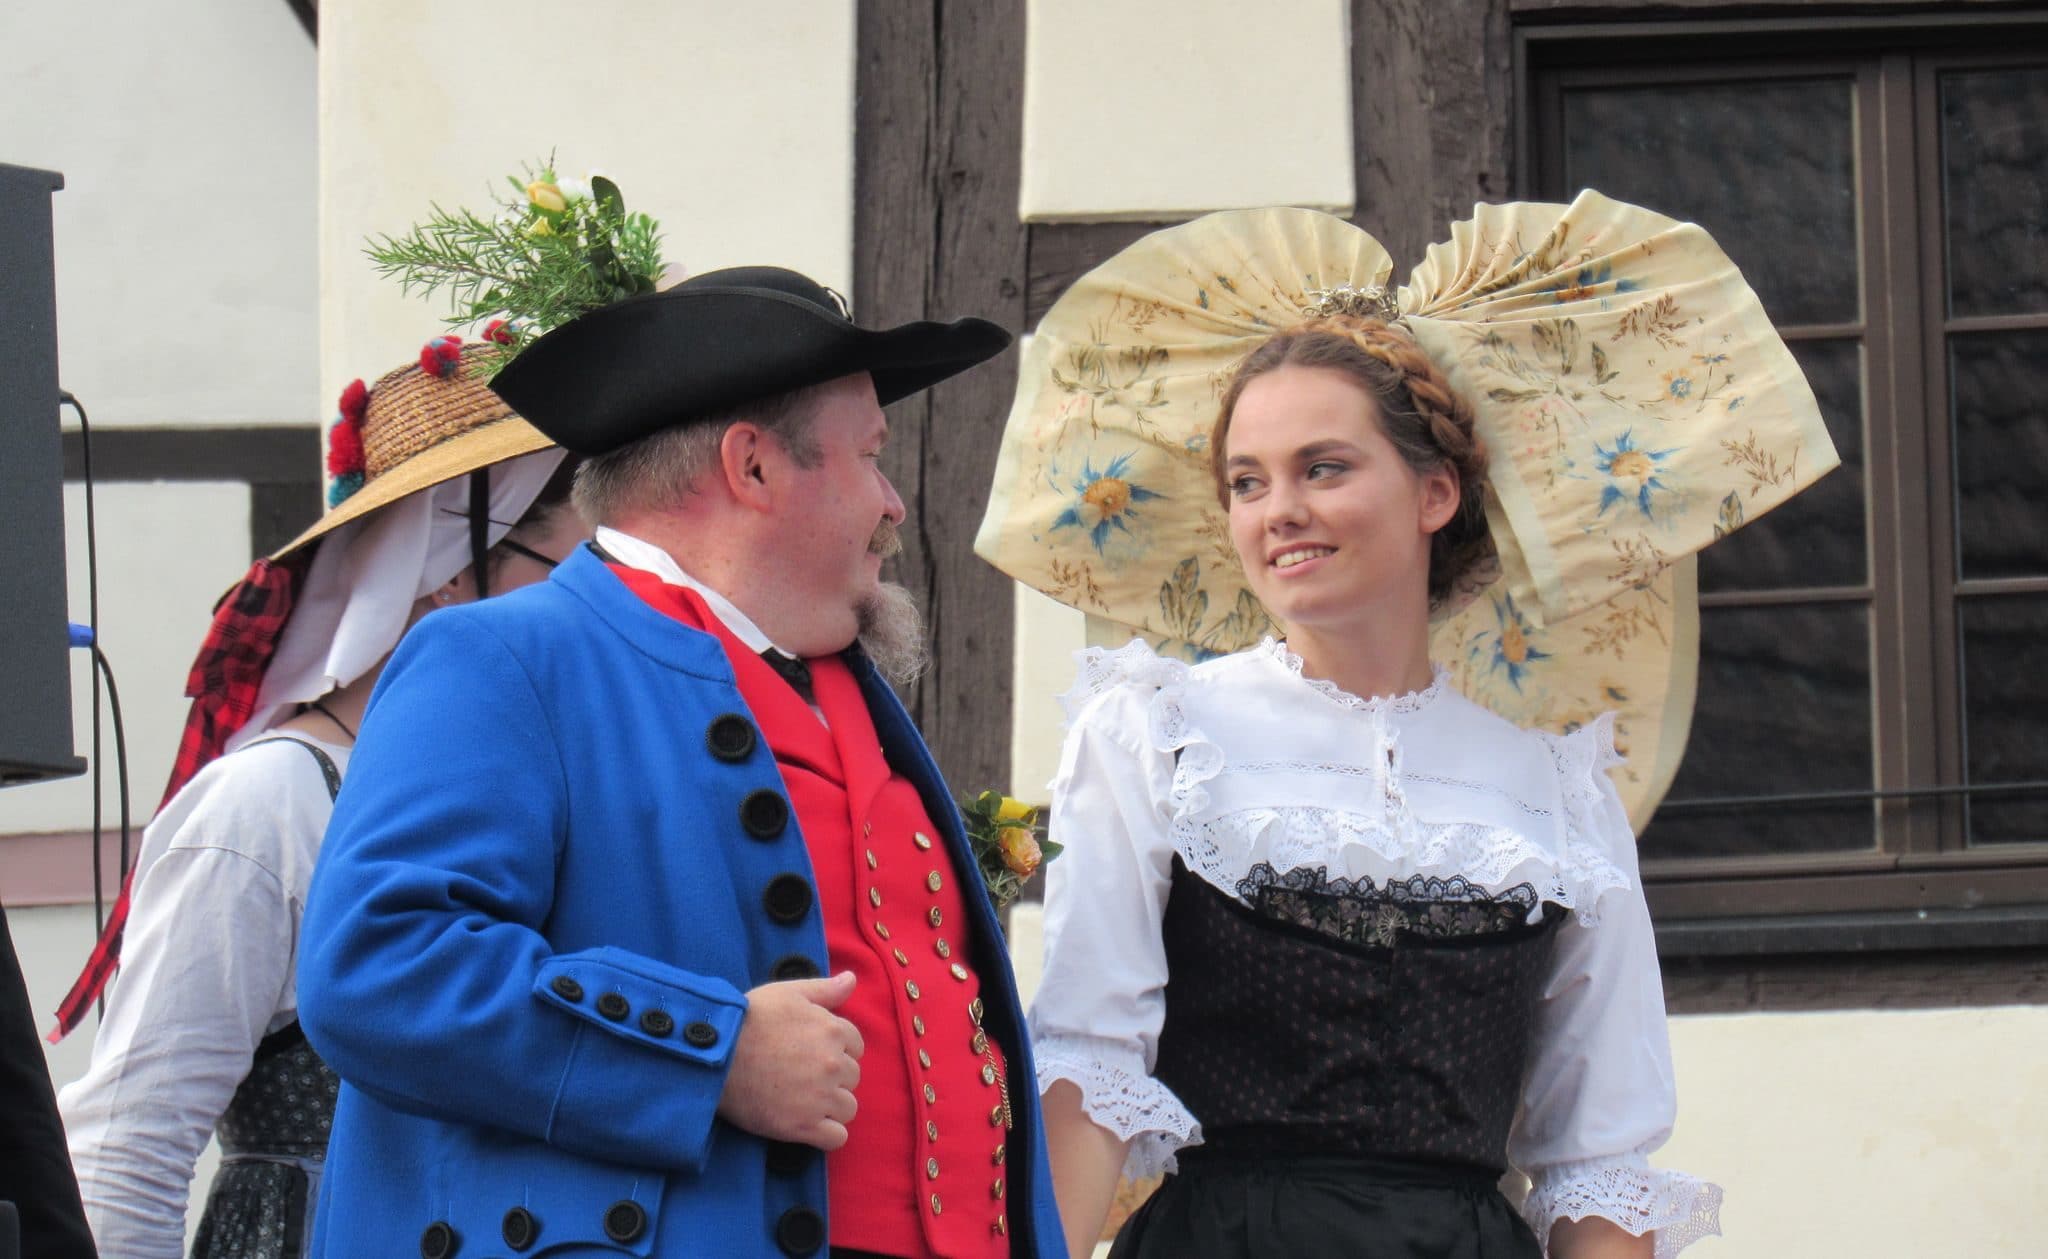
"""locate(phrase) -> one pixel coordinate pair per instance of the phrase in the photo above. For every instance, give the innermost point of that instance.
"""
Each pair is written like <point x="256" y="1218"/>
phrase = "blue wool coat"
<point x="527" y="944"/>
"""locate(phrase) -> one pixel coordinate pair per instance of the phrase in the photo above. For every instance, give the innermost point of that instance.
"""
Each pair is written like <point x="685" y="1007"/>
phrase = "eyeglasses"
<point x="516" y="549"/>
<point x="507" y="543"/>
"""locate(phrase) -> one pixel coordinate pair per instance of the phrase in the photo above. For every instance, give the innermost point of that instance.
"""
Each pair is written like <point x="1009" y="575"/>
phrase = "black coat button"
<point x="795" y="966"/>
<point x="567" y="989"/>
<point x="787" y="898"/>
<point x="437" y="1241"/>
<point x="614" y="1006"/>
<point x="700" y="1035"/>
<point x="800" y="1231"/>
<point x="788" y="1158"/>
<point x="730" y="737"/>
<point x="624" y="1221"/>
<point x="520" y="1228"/>
<point x="657" y="1023"/>
<point x="764" y="814"/>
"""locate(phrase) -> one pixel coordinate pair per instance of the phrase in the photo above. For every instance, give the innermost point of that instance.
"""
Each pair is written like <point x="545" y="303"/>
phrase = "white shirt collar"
<point x="649" y="558"/>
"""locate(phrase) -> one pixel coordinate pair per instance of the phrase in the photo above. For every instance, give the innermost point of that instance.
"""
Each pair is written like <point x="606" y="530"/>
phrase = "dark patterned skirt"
<point x="273" y="1140"/>
<point x="1323" y="1207"/>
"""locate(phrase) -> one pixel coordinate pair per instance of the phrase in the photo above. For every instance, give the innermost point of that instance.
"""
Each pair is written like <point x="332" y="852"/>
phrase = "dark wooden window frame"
<point x="1924" y="889"/>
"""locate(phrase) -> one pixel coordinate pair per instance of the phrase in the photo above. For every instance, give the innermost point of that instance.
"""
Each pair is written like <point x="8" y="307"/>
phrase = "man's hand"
<point x="796" y="1063"/>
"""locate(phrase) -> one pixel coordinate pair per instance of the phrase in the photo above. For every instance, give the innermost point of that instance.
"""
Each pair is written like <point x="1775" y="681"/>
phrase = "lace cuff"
<point x="1121" y="1096"/>
<point x="1681" y="1208"/>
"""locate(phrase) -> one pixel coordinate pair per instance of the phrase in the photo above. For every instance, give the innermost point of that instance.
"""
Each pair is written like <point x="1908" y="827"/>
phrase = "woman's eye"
<point x="1324" y="468"/>
<point x="1241" y="486"/>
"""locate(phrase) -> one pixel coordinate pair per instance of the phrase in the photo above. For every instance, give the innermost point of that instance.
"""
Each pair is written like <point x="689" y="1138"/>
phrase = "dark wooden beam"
<point x="1431" y="104"/>
<point x="938" y="126"/>
<point x="280" y="463"/>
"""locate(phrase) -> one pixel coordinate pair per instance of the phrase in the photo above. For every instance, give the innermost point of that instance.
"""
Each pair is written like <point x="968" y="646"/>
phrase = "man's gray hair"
<point x="656" y="472"/>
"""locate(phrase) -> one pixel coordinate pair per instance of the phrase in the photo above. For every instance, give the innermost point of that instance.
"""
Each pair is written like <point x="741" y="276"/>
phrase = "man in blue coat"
<point x="645" y="924"/>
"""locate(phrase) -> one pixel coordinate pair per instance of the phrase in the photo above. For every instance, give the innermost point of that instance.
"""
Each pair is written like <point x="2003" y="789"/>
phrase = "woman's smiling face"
<point x="1328" y="519"/>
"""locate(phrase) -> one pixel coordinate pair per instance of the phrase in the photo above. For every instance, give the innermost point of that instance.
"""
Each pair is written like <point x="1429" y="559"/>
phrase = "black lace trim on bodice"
<point x="1364" y="912"/>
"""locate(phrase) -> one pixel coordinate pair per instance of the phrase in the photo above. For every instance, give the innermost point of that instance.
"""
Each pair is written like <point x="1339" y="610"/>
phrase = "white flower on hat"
<point x="574" y="190"/>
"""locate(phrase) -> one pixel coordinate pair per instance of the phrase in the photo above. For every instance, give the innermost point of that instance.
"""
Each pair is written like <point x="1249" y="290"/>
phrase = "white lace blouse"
<point x="1242" y="760"/>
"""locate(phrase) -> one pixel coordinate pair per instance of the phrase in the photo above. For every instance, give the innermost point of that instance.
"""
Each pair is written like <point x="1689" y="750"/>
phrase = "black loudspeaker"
<point x="35" y="674"/>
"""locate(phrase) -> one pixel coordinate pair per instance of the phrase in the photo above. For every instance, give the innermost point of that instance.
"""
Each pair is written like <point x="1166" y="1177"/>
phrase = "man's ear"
<point x="1440" y="497"/>
<point x="742" y="462"/>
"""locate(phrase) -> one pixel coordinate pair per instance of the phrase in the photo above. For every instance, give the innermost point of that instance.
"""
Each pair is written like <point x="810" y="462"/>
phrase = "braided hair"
<point x="1422" y="416"/>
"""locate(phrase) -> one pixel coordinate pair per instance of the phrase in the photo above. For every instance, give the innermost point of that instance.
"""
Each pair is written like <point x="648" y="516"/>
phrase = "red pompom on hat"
<point x="442" y="356"/>
<point x="345" y="437"/>
<point x="499" y="331"/>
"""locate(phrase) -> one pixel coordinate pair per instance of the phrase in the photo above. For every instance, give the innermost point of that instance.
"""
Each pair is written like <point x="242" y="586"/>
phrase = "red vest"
<point x="922" y="1172"/>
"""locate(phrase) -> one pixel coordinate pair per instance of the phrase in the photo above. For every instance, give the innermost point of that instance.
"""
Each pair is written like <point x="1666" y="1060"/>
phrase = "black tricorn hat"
<point x="716" y="342"/>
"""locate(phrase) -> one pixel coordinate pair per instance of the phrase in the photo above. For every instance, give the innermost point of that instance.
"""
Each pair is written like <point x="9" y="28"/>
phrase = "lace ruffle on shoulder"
<point x="1121" y="1096"/>
<point x="1680" y="1208"/>
<point x="1099" y="670"/>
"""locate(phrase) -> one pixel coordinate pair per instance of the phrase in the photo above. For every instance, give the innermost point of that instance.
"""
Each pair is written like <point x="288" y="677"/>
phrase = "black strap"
<point x="327" y="767"/>
<point x="291" y="1035"/>
<point x="479" y="530"/>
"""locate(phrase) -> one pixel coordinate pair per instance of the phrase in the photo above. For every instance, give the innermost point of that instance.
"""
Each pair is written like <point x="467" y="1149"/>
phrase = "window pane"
<point x="1817" y="539"/>
<point x="1994" y="165"/>
<point x="1767" y="167"/>
<point x="1784" y="707"/>
<point x="1999" y="389"/>
<point x="2005" y="697"/>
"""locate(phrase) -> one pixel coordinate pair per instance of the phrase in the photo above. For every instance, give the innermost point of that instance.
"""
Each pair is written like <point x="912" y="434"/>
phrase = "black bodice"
<point x="1346" y="1019"/>
<point x="285" y="1105"/>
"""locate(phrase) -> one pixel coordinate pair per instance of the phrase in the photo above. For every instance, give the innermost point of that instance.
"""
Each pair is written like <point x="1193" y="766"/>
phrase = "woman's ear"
<point x="1440" y="497"/>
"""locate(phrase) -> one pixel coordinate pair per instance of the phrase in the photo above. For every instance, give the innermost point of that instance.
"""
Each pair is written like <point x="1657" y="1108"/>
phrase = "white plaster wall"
<point x="731" y="123"/>
<point x="1160" y="108"/>
<point x="185" y="231"/>
<point x="1863" y="1135"/>
<point x="166" y="551"/>
<point x="1048" y="633"/>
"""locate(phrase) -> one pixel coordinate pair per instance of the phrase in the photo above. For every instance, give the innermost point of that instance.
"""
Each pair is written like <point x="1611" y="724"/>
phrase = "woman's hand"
<point x="1597" y="1238"/>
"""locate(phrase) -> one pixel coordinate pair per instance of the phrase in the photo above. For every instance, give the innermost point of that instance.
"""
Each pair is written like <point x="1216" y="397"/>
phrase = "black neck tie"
<point x="793" y="671"/>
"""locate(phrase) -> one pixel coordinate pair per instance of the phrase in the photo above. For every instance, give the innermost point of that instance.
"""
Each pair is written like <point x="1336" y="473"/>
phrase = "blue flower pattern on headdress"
<point x="1108" y="500"/>
<point x="1633" y="474"/>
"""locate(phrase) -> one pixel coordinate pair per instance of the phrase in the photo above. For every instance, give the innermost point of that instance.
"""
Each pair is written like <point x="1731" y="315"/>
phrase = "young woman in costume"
<point x="1332" y="943"/>
<point x="441" y="495"/>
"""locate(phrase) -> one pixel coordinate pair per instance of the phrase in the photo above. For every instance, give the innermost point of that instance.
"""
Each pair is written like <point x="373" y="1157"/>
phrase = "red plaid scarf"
<point x="223" y="685"/>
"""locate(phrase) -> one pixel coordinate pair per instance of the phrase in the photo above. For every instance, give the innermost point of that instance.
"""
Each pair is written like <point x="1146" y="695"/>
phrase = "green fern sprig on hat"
<point x="557" y="249"/>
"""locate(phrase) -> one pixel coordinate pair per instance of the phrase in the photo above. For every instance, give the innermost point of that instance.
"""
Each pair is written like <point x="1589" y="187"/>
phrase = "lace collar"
<point x="1408" y="702"/>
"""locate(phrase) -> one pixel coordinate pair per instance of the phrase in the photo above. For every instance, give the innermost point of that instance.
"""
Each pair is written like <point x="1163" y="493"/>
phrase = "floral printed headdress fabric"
<point x="1635" y="401"/>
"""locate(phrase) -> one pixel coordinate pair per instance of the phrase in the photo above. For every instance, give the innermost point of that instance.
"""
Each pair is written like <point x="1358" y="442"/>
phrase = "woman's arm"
<point x="1597" y="1238"/>
<point x="1086" y="1162"/>
<point x="208" y="958"/>
<point x="1600" y="1096"/>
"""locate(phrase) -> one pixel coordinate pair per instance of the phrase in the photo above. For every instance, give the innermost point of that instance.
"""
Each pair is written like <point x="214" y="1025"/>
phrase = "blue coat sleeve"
<point x="424" y="975"/>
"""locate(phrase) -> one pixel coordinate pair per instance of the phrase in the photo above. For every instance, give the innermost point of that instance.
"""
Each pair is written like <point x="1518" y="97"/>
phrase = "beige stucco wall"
<point x="1139" y="109"/>
<point x="732" y="124"/>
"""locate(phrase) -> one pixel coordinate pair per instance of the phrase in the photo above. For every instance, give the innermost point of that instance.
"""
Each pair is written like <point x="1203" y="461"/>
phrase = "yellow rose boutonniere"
<point x="1009" y="843"/>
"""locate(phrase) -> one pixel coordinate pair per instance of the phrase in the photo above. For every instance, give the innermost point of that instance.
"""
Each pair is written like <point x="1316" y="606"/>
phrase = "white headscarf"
<point x="366" y="577"/>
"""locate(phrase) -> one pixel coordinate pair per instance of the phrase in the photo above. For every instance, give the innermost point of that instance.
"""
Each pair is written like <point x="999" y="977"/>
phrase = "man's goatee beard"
<point x="892" y="634"/>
